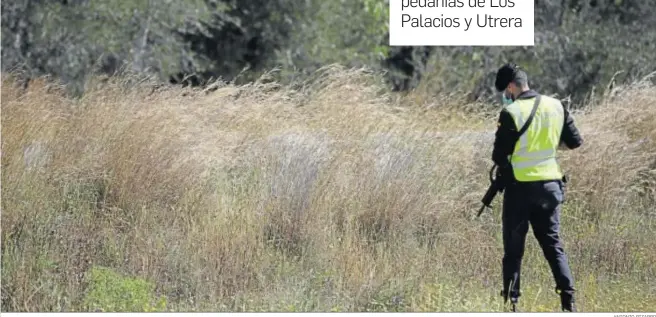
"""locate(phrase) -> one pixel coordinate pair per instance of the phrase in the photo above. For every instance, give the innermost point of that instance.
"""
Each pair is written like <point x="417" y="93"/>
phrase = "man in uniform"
<point x="534" y="183"/>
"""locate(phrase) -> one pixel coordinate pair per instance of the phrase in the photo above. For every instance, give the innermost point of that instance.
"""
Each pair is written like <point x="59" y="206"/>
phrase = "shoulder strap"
<point x="530" y="117"/>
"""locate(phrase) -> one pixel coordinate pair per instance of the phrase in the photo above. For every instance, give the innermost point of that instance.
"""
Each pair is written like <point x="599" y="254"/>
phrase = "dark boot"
<point x="513" y="303"/>
<point x="513" y="300"/>
<point x="567" y="302"/>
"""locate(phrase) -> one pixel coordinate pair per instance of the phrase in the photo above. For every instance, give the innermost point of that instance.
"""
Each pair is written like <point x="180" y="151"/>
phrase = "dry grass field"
<point x="327" y="195"/>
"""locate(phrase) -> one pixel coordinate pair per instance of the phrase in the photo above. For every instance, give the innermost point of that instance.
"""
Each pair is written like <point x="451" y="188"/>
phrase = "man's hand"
<point x="564" y="147"/>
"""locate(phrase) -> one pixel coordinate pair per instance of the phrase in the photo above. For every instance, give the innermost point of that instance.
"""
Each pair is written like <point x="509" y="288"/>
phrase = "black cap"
<point x="505" y="75"/>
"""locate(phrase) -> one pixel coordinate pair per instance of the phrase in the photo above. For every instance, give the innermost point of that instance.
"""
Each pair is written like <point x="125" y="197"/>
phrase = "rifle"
<point x="495" y="187"/>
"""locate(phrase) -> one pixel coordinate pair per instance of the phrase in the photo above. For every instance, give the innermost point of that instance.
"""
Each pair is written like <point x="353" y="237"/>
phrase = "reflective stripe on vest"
<point x="534" y="156"/>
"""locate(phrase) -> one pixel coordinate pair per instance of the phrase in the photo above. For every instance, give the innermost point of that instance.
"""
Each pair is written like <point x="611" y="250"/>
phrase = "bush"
<point x="110" y="291"/>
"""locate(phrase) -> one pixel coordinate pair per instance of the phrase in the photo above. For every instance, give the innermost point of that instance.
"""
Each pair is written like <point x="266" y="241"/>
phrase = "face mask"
<point x="505" y="100"/>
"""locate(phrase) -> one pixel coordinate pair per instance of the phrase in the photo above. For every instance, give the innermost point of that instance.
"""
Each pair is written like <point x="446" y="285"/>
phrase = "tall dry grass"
<point x="325" y="195"/>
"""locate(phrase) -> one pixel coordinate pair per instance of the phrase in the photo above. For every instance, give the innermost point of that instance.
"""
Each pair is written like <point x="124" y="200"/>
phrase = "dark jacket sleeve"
<point x="570" y="135"/>
<point x="504" y="146"/>
<point x="503" y="143"/>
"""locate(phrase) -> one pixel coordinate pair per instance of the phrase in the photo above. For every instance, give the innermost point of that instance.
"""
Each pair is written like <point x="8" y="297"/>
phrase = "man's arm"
<point x="570" y="137"/>
<point x="503" y="143"/>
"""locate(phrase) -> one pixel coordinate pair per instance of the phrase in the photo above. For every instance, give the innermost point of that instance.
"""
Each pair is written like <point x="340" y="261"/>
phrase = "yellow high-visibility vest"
<point x="534" y="156"/>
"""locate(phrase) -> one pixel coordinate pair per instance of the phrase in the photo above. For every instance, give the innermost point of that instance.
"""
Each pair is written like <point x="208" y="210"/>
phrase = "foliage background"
<point x="581" y="45"/>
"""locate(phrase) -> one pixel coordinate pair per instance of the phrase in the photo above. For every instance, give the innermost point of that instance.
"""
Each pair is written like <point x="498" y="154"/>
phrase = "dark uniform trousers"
<point x="537" y="204"/>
